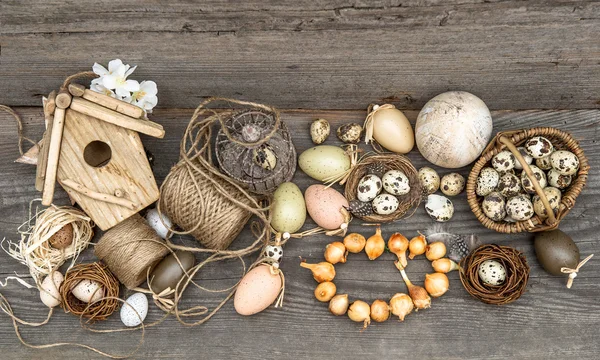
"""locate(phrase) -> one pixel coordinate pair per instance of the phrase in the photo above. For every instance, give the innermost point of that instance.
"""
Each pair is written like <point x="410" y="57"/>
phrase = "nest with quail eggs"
<point x="495" y="274"/>
<point x="383" y="188"/>
<point x="527" y="180"/>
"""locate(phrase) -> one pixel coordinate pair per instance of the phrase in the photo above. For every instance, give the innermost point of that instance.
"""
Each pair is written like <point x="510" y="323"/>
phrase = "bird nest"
<point x="517" y="274"/>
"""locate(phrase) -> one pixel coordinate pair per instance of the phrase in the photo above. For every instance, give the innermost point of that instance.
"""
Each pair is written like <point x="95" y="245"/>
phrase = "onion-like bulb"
<point x="419" y="295"/>
<point x="435" y="250"/>
<point x="355" y="243"/>
<point x="401" y="305"/>
<point x="335" y="253"/>
<point x="380" y="311"/>
<point x="360" y="311"/>
<point x="417" y="246"/>
<point x="338" y="305"/>
<point x="375" y="245"/>
<point x="444" y="265"/>
<point x="436" y="284"/>
<point x="325" y="291"/>
<point x="398" y="244"/>
<point x="322" y="271"/>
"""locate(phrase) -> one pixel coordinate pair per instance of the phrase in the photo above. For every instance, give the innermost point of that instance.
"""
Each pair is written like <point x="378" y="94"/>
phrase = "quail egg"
<point x="558" y="180"/>
<point x="565" y="162"/>
<point x="528" y="159"/>
<point x="509" y="185"/>
<point x="452" y="184"/>
<point x="538" y="147"/>
<point x="503" y="161"/>
<point x="492" y="272"/>
<point x="439" y="208"/>
<point x="509" y="171"/>
<point x="493" y="206"/>
<point x="544" y="163"/>
<point x="429" y="179"/>
<point x="519" y="207"/>
<point x="369" y="187"/>
<point x="385" y="204"/>
<point x="350" y="133"/>
<point x="395" y="182"/>
<point x="319" y="131"/>
<point x="273" y="252"/>
<point x="487" y="181"/>
<point x="553" y="195"/>
<point x="264" y="157"/>
<point x="526" y="182"/>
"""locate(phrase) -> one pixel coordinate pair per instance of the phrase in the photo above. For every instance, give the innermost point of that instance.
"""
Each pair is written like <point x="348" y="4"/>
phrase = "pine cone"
<point x="359" y="208"/>
<point x="377" y="169"/>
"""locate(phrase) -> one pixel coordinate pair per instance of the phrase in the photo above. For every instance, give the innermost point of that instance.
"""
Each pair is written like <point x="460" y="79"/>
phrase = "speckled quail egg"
<point x="429" y="179"/>
<point x="538" y="147"/>
<point x="369" y="187"/>
<point x="265" y="157"/>
<point x="544" y="163"/>
<point x="385" y="204"/>
<point x="492" y="272"/>
<point x="558" y="180"/>
<point x="504" y="160"/>
<point x="528" y="184"/>
<point x="509" y="171"/>
<point x="350" y="133"/>
<point x="509" y="185"/>
<point x="439" y="208"/>
<point x="565" y="162"/>
<point x="273" y="253"/>
<point x="493" y="206"/>
<point x="525" y="155"/>
<point x="553" y="195"/>
<point x="452" y="184"/>
<point x="319" y="131"/>
<point x="487" y="181"/>
<point x="519" y="207"/>
<point x="395" y="182"/>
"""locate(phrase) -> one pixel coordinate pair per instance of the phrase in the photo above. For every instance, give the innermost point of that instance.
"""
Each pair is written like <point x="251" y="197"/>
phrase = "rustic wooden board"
<point x="548" y="321"/>
<point x="328" y="54"/>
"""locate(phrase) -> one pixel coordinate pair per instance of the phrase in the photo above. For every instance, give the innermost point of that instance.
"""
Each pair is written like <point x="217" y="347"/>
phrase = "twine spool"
<point x="129" y="249"/>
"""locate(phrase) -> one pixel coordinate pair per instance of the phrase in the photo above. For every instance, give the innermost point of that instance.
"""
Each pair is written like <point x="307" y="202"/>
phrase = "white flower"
<point x="98" y="87"/>
<point x="146" y="97"/>
<point x="115" y="78"/>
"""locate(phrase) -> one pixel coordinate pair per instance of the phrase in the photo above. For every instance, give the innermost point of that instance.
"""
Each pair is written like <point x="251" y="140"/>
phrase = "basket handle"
<point x="538" y="189"/>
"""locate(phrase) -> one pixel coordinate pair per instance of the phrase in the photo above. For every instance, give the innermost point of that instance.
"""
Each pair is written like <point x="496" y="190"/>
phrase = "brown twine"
<point x="77" y="76"/>
<point x="19" y="127"/>
<point x="573" y="272"/>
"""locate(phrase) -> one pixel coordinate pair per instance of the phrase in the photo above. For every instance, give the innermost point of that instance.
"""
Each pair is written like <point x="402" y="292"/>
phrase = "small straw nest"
<point x="390" y="162"/>
<point x="517" y="274"/>
<point x="98" y="310"/>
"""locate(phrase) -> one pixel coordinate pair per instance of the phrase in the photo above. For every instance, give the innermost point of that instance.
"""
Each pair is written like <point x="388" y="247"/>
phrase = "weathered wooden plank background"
<point x="323" y="55"/>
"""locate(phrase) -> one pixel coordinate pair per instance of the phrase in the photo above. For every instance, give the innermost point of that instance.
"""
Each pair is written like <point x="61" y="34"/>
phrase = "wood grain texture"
<point x="328" y="54"/>
<point x="549" y="321"/>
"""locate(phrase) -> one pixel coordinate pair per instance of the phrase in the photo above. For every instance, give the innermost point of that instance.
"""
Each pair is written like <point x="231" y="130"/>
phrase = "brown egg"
<point x="63" y="237"/>
<point x="258" y="289"/>
<point x="324" y="204"/>
<point x="168" y="272"/>
<point x="555" y="250"/>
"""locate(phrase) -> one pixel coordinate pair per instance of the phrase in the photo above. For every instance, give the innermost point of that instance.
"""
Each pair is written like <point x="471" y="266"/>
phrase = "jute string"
<point x="573" y="272"/>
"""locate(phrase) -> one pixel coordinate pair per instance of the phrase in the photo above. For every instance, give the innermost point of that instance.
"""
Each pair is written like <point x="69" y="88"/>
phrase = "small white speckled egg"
<point x="503" y="161"/>
<point x="519" y="207"/>
<point x="492" y="272"/>
<point x="368" y="188"/>
<point x="265" y="157"/>
<point x="50" y="295"/>
<point x="385" y="204"/>
<point x="129" y="317"/>
<point x="538" y="147"/>
<point x="526" y="182"/>
<point x="544" y="163"/>
<point x="558" y="180"/>
<point x="395" y="182"/>
<point x="553" y="195"/>
<point x="452" y="184"/>
<point x="273" y="252"/>
<point x="154" y="220"/>
<point x="509" y="185"/>
<point x="439" y="208"/>
<point x="319" y="131"/>
<point x="565" y="162"/>
<point x="493" y="206"/>
<point x="525" y="155"/>
<point x="88" y="291"/>
<point x="429" y="179"/>
<point x="487" y="181"/>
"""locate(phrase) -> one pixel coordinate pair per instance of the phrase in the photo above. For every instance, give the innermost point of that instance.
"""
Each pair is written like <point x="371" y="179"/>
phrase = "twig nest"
<point x="506" y="263"/>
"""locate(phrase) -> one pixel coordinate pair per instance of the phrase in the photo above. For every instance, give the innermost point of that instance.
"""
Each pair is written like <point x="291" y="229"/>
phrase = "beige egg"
<point x="429" y="179"/>
<point x="392" y="130"/>
<point x="50" y="295"/>
<point x="452" y="184"/>
<point x="553" y="195"/>
<point x="288" y="209"/>
<point x="324" y="204"/>
<point x="88" y="291"/>
<point x="319" y="131"/>
<point x="453" y="128"/>
<point x="324" y="161"/>
<point x="257" y="290"/>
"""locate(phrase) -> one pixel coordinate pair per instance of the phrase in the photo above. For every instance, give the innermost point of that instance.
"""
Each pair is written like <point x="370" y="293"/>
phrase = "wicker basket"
<point x="510" y="140"/>
<point x="390" y="162"/>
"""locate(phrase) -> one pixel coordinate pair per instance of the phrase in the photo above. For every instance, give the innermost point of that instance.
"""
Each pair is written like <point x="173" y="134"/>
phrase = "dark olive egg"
<point x="555" y="250"/>
<point x="168" y="272"/>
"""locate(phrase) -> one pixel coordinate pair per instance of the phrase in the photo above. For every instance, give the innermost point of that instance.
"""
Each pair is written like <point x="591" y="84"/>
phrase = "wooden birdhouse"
<point x="92" y="148"/>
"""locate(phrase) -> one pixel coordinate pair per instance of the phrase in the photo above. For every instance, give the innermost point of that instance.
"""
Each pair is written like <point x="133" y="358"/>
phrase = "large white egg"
<point x="134" y="314"/>
<point x="49" y="293"/>
<point x="453" y="128"/>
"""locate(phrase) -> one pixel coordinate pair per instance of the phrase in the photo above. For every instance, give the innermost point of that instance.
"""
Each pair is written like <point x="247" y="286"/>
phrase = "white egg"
<point x="487" y="181"/>
<point x="88" y="291"/>
<point x="439" y="208"/>
<point x="395" y="182"/>
<point x="544" y="163"/>
<point x="49" y="293"/>
<point x="154" y="220"/>
<point x="538" y="147"/>
<point x="452" y="184"/>
<point x="493" y="206"/>
<point x="429" y="179"/>
<point x="565" y="162"/>
<point x="385" y="204"/>
<point x="492" y="272"/>
<point x="553" y="195"/>
<point x="528" y="184"/>
<point x="129" y="317"/>
<point x="558" y="180"/>
<point x="369" y="187"/>
<point x="503" y="161"/>
<point x="519" y="208"/>
<point x="509" y="185"/>
<point x="525" y="155"/>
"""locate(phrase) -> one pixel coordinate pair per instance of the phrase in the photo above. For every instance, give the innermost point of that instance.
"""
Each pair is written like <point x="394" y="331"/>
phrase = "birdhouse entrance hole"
<point x="97" y="153"/>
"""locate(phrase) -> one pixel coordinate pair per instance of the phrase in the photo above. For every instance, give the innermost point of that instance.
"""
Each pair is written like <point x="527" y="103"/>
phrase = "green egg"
<point x="289" y="209"/>
<point x="324" y="161"/>
<point x="555" y="250"/>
